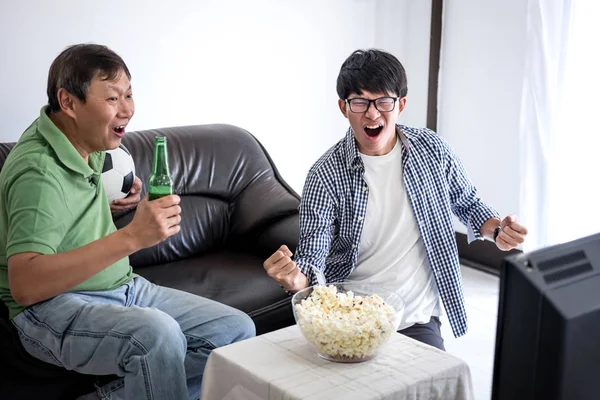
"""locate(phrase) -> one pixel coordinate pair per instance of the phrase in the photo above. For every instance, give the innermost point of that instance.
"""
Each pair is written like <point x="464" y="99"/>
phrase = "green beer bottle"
<point x="160" y="183"/>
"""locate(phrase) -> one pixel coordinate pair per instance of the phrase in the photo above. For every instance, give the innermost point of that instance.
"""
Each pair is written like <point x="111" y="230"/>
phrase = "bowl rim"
<point x="348" y="282"/>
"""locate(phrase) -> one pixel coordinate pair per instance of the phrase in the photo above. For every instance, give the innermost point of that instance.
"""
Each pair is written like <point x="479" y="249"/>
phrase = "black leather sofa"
<point x="236" y="211"/>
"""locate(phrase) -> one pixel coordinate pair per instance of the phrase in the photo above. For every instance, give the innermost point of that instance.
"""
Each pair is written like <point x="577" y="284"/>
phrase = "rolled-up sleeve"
<point x="316" y="224"/>
<point x="465" y="202"/>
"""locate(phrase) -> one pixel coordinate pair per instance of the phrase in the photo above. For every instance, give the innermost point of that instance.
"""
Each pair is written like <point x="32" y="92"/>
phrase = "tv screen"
<point x="548" y="332"/>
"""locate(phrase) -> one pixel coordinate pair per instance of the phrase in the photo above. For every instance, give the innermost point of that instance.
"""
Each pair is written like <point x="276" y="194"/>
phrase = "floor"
<point x="477" y="346"/>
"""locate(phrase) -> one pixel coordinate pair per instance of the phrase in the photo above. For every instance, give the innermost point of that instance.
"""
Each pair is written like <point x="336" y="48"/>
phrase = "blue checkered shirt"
<point x="334" y="203"/>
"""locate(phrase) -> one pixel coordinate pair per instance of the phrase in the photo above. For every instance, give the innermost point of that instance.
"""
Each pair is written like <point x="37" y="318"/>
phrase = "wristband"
<point x="497" y="232"/>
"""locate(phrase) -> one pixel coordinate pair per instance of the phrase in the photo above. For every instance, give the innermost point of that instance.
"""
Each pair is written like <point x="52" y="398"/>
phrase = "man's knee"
<point x="235" y="326"/>
<point x="152" y="329"/>
<point x="245" y="326"/>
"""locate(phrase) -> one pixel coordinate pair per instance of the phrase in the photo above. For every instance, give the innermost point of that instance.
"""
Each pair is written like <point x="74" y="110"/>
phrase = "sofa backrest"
<point x="5" y="148"/>
<point x="229" y="188"/>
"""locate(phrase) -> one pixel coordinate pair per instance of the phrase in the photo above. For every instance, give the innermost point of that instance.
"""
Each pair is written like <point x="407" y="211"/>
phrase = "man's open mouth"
<point x="373" y="130"/>
<point x="119" y="130"/>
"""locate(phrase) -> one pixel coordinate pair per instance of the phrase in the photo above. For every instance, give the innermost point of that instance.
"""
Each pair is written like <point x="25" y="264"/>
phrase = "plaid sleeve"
<point x="465" y="203"/>
<point x="316" y="224"/>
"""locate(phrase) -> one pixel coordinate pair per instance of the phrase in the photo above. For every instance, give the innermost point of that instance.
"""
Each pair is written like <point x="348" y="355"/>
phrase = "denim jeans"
<point x="155" y="338"/>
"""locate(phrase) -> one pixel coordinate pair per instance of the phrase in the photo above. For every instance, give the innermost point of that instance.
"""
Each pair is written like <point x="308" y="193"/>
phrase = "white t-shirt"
<point x="391" y="250"/>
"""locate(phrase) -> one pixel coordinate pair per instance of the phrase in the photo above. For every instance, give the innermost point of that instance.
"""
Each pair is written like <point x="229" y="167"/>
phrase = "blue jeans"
<point x="156" y="338"/>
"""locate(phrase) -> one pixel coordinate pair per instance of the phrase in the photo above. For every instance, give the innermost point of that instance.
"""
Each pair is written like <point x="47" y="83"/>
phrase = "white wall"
<point x="268" y="66"/>
<point x="403" y="28"/>
<point x="481" y="81"/>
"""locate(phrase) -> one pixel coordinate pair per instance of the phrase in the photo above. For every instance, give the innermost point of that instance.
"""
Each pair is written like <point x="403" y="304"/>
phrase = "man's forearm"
<point x="487" y="229"/>
<point x="35" y="277"/>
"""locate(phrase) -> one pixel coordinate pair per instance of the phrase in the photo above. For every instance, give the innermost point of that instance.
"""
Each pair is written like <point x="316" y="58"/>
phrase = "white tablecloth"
<point x="282" y="365"/>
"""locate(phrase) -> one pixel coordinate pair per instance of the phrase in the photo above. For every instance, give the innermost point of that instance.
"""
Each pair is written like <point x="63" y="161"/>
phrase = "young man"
<point x="64" y="268"/>
<point x="377" y="207"/>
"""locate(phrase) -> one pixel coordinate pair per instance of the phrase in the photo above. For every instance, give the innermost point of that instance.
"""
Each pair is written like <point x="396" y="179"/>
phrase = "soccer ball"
<point x="118" y="173"/>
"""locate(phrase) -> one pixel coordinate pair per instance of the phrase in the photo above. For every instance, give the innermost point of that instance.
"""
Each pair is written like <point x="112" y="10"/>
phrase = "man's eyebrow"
<point x="118" y="89"/>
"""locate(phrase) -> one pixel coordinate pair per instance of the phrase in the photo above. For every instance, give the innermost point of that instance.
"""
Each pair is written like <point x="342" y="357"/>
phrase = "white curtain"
<point x="560" y="122"/>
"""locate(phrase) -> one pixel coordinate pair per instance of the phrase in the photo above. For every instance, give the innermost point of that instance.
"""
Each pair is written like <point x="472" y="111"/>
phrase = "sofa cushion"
<point x="235" y="279"/>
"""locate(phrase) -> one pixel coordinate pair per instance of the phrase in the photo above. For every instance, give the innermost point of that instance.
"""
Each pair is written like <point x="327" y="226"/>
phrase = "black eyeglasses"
<point x="382" y="104"/>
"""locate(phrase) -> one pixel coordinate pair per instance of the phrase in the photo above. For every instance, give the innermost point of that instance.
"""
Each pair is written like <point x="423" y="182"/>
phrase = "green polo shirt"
<point x="52" y="201"/>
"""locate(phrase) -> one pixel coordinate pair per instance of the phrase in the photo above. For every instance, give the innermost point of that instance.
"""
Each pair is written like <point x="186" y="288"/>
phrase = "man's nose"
<point x="372" y="111"/>
<point x="126" y="108"/>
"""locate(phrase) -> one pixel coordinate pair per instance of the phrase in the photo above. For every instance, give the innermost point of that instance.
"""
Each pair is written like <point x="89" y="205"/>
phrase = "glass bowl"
<point x="348" y="321"/>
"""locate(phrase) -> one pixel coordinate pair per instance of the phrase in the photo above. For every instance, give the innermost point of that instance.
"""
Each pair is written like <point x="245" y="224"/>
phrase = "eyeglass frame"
<point x="374" y="101"/>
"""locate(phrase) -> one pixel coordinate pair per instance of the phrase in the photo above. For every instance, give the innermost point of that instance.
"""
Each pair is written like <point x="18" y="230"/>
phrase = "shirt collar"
<point x="353" y="159"/>
<point x="351" y="150"/>
<point x="65" y="151"/>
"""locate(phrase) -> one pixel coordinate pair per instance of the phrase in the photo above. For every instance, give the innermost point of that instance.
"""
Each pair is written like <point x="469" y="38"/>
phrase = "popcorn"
<point x="343" y="326"/>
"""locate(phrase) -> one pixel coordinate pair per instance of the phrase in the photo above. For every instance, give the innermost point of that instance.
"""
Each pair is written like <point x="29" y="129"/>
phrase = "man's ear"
<point x="66" y="101"/>
<point x="401" y="104"/>
<point x="343" y="107"/>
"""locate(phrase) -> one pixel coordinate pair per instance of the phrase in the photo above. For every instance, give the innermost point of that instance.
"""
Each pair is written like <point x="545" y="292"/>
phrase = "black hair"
<point x="75" y="68"/>
<point x="373" y="71"/>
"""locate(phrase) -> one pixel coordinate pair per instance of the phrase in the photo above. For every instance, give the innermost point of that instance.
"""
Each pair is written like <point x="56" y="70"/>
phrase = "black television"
<point x="548" y="332"/>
